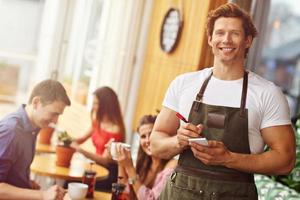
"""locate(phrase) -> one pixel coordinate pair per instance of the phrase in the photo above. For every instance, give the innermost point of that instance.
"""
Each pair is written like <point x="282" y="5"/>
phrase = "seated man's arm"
<point x="5" y="165"/>
<point x="9" y="192"/>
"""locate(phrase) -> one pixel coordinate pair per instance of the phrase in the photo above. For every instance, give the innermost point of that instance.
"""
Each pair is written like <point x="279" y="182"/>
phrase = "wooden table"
<point x="97" y="196"/>
<point x="44" y="164"/>
<point x="44" y="148"/>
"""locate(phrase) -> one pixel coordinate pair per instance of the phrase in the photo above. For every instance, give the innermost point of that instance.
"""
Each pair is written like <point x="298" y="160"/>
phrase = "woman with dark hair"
<point x="148" y="179"/>
<point x="107" y="125"/>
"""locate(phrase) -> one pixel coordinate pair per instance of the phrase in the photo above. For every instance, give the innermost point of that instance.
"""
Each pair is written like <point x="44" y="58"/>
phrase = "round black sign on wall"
<point x="170" y="30"/>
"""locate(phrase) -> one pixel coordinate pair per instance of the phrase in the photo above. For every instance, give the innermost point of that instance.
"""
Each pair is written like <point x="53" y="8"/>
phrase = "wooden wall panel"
<point x="206" y="56"/>
<point x="192" y="52"/>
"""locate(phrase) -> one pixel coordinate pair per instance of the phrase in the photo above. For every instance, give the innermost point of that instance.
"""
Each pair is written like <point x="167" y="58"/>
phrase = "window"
<point x="20" y="23"/>
<point x="279" y="61"/>
<point x="82" y="55"/>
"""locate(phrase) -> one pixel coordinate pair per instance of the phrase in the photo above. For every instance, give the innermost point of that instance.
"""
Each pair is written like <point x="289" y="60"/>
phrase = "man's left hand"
<point x="216" y="153"/>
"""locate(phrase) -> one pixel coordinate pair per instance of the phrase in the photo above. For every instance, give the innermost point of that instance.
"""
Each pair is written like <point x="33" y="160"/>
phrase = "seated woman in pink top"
<point x="149" y="177"/>
<point x="107" y="124"/>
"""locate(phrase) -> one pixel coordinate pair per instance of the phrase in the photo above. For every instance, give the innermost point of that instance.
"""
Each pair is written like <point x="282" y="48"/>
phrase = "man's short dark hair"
<point x="49" y="91"/>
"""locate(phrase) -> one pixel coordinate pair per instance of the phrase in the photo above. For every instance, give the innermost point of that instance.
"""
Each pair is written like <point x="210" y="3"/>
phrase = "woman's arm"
<point x="87" y="135"/>
<point x="125" y="161"/>
<point x="145" y="193"/>
<point x="122" y="175"/>
<point x="104" y="160"/>
<point x="159" y="184"/>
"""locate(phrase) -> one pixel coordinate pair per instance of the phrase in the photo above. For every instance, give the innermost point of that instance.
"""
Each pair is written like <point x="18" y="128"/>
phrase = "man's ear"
<point x="249" y="40"/>
<point x="35" y="101"/>
<point x="209" y="41"/>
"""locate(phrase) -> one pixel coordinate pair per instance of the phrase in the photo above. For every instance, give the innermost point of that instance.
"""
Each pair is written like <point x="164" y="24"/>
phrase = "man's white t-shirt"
<point x="266" y="104"/>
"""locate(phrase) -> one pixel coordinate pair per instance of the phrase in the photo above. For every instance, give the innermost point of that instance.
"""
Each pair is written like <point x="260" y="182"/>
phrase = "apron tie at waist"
<point x="236" y="177"/>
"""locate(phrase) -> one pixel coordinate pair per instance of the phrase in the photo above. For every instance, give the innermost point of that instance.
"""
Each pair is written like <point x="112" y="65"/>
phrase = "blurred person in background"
<point x="107" y="124"/>
<point x="148" y="179"/>
<point x="18" y="132"/>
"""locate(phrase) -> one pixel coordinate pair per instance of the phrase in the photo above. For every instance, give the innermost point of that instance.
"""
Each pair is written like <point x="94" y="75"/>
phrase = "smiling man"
<point x="18" y="132"/>
<point x="237" y="111"/>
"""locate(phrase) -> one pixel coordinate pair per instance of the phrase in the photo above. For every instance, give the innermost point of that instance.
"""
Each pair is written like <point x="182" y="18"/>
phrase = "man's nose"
<point x="54" y="119"/>
<point x="227" y="38"/>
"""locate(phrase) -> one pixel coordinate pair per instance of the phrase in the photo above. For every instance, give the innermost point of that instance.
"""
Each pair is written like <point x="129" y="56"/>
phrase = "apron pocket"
<point x="179" y="192"/>
<point x="182" y="186"/>
<point x="215" y="120"/>
<point x="239" y="191"/>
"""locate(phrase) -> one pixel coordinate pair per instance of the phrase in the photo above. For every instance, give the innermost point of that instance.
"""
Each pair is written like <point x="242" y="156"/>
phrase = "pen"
<point x="179" y="116"/>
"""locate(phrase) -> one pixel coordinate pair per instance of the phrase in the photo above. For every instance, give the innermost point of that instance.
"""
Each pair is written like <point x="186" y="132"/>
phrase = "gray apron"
<point x="193" y="179"/>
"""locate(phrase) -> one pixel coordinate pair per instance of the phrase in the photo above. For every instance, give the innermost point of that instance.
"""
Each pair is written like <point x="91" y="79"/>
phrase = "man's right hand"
<point x="187" y="131"/>
<point x="54" y="193"/>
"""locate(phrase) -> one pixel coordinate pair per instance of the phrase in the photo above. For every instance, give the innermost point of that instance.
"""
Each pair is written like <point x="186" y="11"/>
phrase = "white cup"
<point x="113" y="148"/>
<point x="77" y="191"/>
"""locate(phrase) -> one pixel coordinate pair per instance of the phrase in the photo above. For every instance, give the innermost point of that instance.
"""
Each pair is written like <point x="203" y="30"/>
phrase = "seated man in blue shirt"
<point x="18" y="132"/>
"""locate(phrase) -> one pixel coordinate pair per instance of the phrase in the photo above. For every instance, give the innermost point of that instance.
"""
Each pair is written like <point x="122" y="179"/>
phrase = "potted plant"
<point x="45" y="135"/>
<point x="64" y="152"/>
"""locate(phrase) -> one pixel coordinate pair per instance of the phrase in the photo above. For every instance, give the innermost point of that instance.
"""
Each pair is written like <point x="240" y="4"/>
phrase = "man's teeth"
<point x="227" y="49"/>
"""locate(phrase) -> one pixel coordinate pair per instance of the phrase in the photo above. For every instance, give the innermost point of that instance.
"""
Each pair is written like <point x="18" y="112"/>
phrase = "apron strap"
<point x="244" y="92"/>
<point x="203" y="87"/>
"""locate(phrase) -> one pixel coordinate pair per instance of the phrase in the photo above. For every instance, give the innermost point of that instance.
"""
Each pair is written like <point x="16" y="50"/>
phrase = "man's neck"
<point x="228" y="71"/>
<point x="28" y="110"/>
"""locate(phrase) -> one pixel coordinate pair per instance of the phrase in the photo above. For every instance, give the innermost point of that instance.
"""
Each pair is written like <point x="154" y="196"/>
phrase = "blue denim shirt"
<point x="17" y="148"/>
